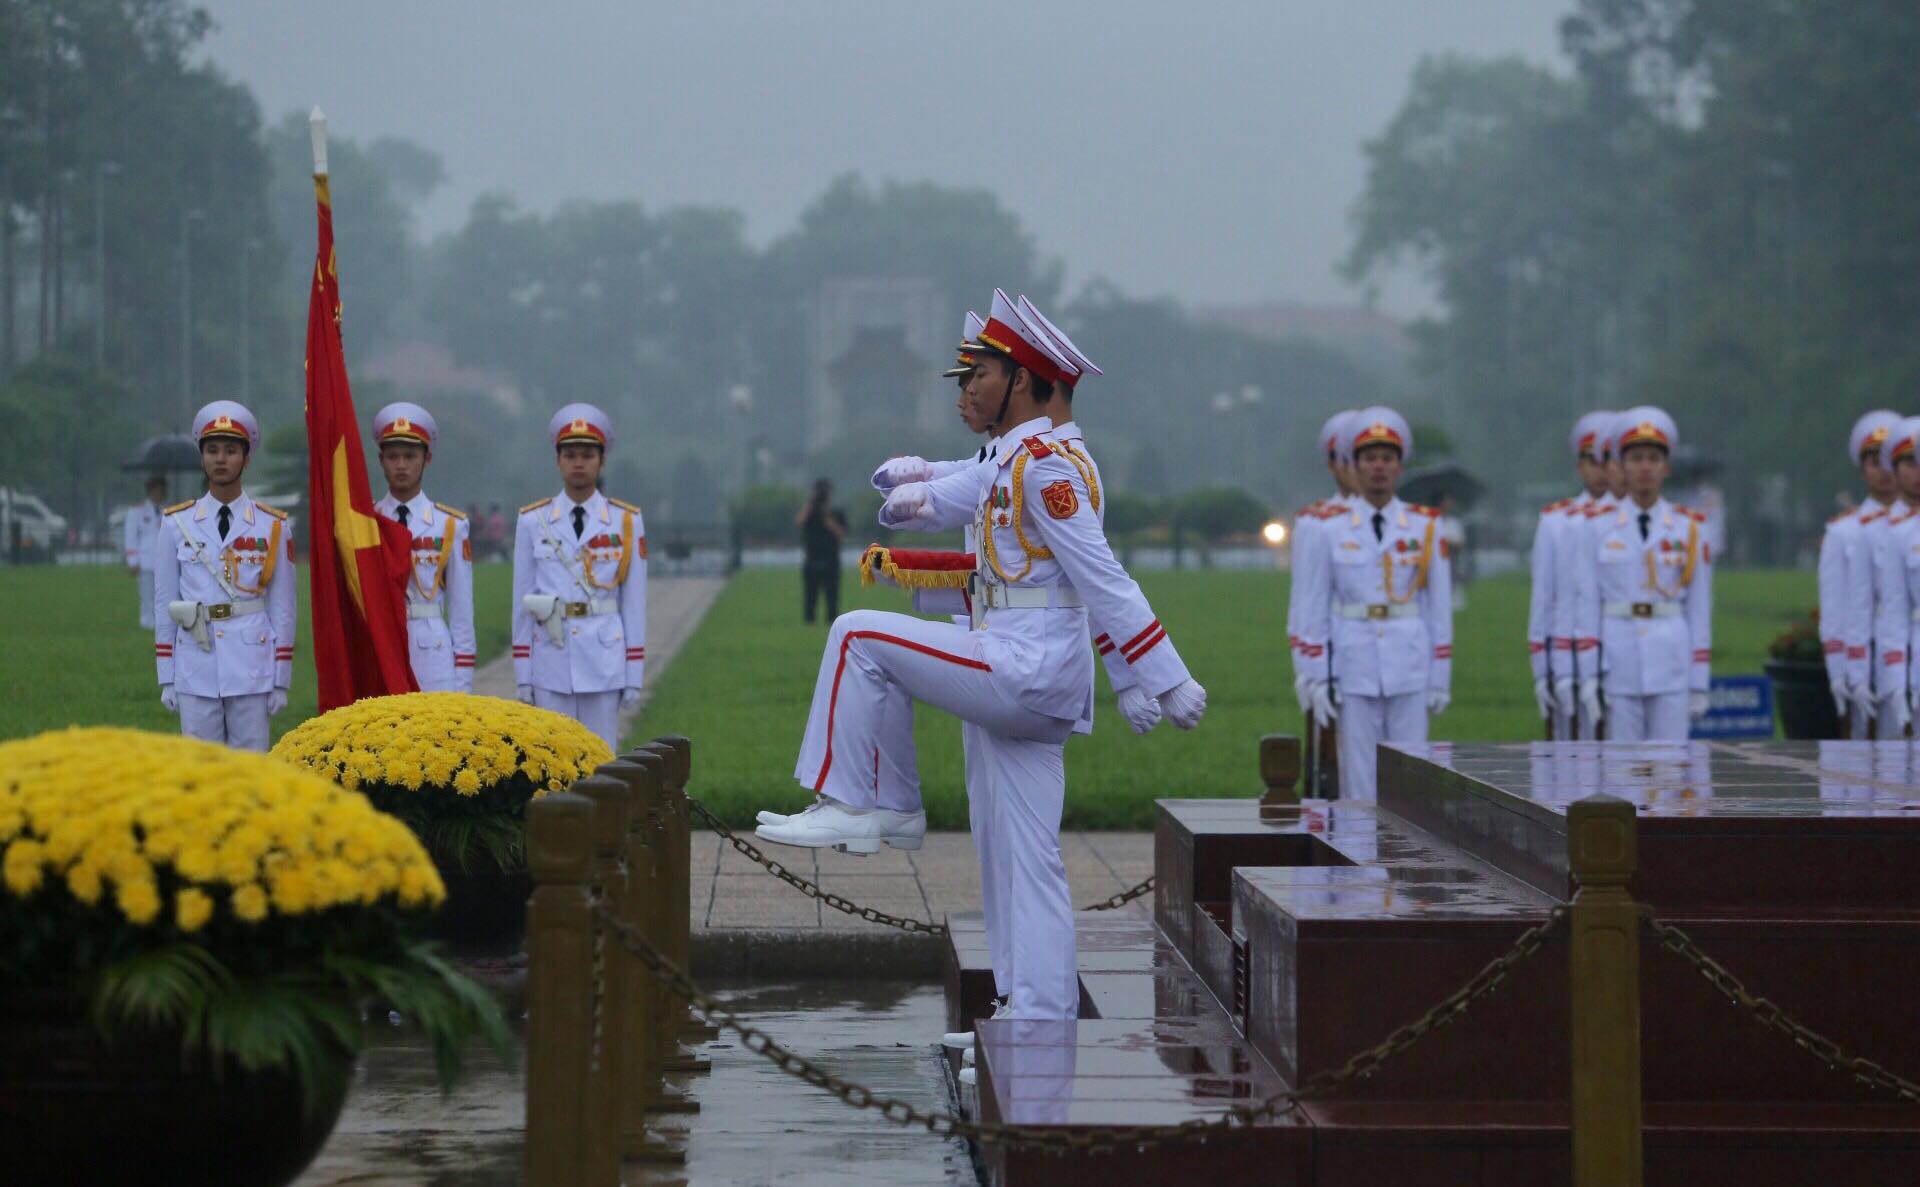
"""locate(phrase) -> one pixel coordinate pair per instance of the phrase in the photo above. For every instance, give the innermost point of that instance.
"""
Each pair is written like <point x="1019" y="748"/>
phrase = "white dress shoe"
<point x="957" y="1040"/>
<point x="766" y="817"/>
<point x="902" y="830"/>
<point x="828" y="824"/>
<point x="969" y="1077"/>
<point x="967" y="1057"/>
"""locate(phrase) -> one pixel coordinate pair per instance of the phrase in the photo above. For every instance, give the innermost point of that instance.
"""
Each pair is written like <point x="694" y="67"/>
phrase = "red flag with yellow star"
<point x="360" y="561"/>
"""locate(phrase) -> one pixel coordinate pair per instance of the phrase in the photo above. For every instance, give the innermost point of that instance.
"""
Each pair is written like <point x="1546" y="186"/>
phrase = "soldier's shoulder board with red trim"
<point x="1417" y="509"/>
<point x="1844" y="515"/>
<point x="177" y="508"/>
<point x="1558" y="505"/>
<point x="451" y="512"/>
<point x="624" y="505"/>
<point x="1038" y="447"/>
<point x="1310" y="510"/>
<point x="273" y="511"/>
<point x="536" y="505"/>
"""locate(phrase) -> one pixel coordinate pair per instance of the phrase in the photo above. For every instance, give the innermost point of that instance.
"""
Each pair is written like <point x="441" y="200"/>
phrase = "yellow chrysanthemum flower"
<point x="191" y="909"/>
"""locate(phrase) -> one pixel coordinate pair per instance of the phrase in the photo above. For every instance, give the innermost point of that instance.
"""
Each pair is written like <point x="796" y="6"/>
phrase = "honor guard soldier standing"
<point x="1644" y="585"/>
<point x="1550" y="653"/>
<point x="1894" y="539"/>
<point x="580" y="586"/>
<point x="440" y="641"/>
<point x="1845" y="640"/>
<point x="1379" y="599"/>
<point x="223" y="595"/>
<point x="141" y="530"/>
<point x="1322" y="737"/>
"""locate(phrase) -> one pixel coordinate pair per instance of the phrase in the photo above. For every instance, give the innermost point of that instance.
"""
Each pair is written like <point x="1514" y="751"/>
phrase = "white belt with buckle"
<point x="423" y="610"/>
<point x="1376" y="610"/>
<point x="1641" y="609"/>
<point x="220" y="610"/>
<point x="597" y="608"/>
<point x="994" y="596"/>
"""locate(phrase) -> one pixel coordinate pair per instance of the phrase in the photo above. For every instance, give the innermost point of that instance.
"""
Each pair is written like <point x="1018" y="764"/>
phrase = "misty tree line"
<point x="1716" y="210"/>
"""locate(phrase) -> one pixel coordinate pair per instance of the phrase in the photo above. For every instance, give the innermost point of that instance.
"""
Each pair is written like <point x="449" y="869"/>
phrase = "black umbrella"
<point x="174" y="452"/>
<point x="1430" y="484"/>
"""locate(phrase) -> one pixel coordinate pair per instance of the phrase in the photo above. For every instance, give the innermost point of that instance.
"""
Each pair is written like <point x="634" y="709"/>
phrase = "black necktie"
<point x="225" y="519"/>
<point x="579" y="521"/>
<point x="1379" y="526"/>
<point x="401" y="513"/>
<point x="1645" y="519"/>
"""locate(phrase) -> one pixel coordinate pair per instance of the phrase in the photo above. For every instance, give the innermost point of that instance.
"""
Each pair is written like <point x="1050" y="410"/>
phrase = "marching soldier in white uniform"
<point x="1023" y="672"/>
<point x="1894" y="540"/>
<point x="1840" y="602"/>
<point x="223" y="596"/>
<point x="1551" y="653"/>
<point x="580" y="586"/>
<point x="1380" y="599"/>
<point x="139" y="533"/>
<point x="440" y="641"/>
<point x="1645" y="592"/>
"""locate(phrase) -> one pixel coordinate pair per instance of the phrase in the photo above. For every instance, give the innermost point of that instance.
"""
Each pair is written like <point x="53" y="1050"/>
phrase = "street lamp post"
<point x="102" y="171"/>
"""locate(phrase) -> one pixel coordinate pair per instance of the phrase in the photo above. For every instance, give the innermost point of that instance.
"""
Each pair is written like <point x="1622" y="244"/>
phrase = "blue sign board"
<point x="1740" y="707"/>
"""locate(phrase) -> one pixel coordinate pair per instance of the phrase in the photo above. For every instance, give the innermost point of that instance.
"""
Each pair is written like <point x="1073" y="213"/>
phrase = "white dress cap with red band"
<point x="1902" y="438"/>
<point x="1378" y="425"/>
<point x="969" y="334"/>
<point x="1008" y="334"/>
<point x="402" y="421"/>
<point x="1585" y="440"/>
<point x="1645" y="425"/>
<point x="581" y="423"/>
<point x="1063" y="345"/>
<point x="226" y="418"/>
<point x="1333" y="434"/>
<point x="1870" y="433"/>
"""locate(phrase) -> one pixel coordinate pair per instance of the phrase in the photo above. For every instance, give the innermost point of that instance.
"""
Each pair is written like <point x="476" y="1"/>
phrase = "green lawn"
<point x="76" y="655"/>
<point x="741" y="686"/>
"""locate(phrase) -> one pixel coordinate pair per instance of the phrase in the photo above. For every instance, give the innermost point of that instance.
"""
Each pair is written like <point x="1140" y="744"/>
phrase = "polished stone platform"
<point x="1281" y="947"/>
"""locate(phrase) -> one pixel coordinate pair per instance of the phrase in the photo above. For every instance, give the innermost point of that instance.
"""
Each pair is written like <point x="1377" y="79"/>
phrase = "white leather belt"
<point x="423" y="609"/>
<point x="1640" y="609"/>
<point x="219" y="610"/>
<point x="1376" y="609"/>
<point x="1025" y="597"/>
<point x="597" y="608"/>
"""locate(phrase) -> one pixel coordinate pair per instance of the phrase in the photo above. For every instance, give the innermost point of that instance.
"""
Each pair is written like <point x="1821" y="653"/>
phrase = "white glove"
<point x="1590" y="698"/>
<point x="168" y="699"/>
<point x="1542" y="696"/>
<point x="1438" y="700"/>
<point x="525" y="693"/>
<point x="1303" y="692"/>
<point x="1320" y="692"/>
<point x="1184" y="703"/>
<point x="906" y="504"/>
<point x="1564" y="696"/>
<point x="1697" y="705"/>
<point x="276" y="701"/>
<point x="900" y="470"/>
<point x="1141" y="711"/>
<point x="1842" y="695"/>
<point x="629" y="697"/>
<point x="1902" y="715"/>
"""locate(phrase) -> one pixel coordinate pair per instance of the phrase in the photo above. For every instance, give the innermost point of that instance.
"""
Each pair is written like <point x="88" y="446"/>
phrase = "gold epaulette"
<point x="1870" y="516"/>
<point x="1595" y="509"/>
<point x="1037" y="447"/>
<point x="624" y="505"/>
<point x="1559" y="505"/>
<point x="536" y="505"/>
<point x="451" y="512"/>
<point x="179" y="507"/>
<point x="1690" y="513"/>
<point x="273" y="511"/>
<point x="1310" y="511"/>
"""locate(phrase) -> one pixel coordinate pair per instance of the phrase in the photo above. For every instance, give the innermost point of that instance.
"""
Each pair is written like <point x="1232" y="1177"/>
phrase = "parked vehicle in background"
<point x="29" y="530"/>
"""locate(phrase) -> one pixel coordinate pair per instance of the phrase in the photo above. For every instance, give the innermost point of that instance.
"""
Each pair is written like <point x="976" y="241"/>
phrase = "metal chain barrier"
<point x="1091" y="1141"/>
<point x="847" y="906"/>
<point x="1771" y="1016"/>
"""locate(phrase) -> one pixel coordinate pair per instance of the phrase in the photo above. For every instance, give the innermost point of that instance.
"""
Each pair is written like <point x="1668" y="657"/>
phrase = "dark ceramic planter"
<point x="74" y="1111"/>
<point x="486" y="910"/>
<point x="1803" y="698"/>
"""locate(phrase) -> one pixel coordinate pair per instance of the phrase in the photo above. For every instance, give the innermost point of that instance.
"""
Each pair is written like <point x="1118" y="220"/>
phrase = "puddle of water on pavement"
<point x="757" y="1125"/>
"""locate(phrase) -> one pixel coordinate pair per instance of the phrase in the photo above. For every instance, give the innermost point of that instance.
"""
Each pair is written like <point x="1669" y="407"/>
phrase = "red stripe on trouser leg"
<point x="840" y="669"/>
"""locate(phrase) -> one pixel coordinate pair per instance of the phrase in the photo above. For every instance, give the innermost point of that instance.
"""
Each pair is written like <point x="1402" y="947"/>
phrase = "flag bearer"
<point x="1843" y="639"/>
<point x="1645" y="592"/>
<point x="140" y="531"/>
<point x="440" y="593"/>
<point x="223" y="594"/>
<point x="1379" y="598"/>
<point x="1551" y="653"/>
<point x="580" y="586"/>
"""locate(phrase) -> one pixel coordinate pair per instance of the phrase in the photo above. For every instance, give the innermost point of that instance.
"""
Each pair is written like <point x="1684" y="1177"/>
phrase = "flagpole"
<point x="317" y="127"/>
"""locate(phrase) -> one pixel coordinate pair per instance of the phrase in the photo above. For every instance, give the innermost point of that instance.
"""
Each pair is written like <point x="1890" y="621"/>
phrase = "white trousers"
<point x="896" y="774"/>
<point x="145" y="581"/>
<point x="598" y="711"/>
<point x="1858" y="716"/>
<point x="1887" y="713"/>
<point x="872" y="662"/>
<point x="1661" y="717"/>
<point x="240" y="722"/>
<point x="1365" y="722"/>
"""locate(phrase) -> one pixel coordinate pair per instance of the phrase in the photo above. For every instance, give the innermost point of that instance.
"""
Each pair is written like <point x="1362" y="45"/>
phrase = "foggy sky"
<point x="1210" y="151"/>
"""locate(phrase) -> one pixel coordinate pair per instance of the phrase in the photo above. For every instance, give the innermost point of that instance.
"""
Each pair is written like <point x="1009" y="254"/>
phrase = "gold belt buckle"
<point x="1643" y="609"/>
<point x="219" y="611"/>
<point x="1377" y="610"/>
<point x="576" y="609"/>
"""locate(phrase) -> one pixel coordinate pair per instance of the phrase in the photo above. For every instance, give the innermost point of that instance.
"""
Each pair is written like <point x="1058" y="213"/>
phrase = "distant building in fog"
<point x="1366" y="335"/>
<point x="875" y="350"/>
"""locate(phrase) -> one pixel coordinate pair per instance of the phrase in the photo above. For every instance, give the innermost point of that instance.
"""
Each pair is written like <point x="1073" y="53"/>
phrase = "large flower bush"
<point x="459" y="769"/>
<point x="179" y="886"/>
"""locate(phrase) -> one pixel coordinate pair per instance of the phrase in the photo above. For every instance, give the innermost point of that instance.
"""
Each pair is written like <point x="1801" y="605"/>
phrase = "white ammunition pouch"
<point x="191" y="616"/>
<point x="545" y="609"/>
<point x="423" y="610"/>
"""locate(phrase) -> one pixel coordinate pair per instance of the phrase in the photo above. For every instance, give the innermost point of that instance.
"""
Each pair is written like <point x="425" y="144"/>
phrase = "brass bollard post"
<point x="660" y="906"/>
<point x="1280" y="771"/>
<point x="645" y="1039"/>
<point x="606" y="1082"/>
<point x="559" y="974"/>
<point x="679" y="755"/>
<point x="1604" y="975"/>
